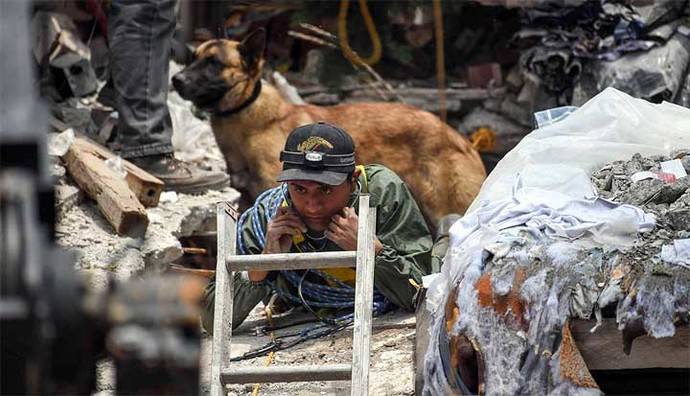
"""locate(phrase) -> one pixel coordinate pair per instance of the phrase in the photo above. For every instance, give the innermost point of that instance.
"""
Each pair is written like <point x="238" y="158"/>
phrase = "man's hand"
<point x="343" y="231"/>
<point x="279" y="231"/>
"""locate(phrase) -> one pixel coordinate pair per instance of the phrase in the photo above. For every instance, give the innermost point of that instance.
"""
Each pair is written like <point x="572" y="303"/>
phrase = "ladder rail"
<point x="364" y="299"/>
<point x="226" y="216"/>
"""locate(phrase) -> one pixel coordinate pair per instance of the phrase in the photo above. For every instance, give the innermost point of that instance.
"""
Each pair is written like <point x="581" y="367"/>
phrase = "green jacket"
<point x="400" y="227"/>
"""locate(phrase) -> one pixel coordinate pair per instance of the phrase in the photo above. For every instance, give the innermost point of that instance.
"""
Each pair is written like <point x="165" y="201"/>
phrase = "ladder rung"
<point x="291" y="261"/>
<point x="248" y="375"/>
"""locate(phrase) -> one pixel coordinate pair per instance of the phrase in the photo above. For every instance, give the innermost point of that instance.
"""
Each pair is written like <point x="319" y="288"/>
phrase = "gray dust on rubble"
<point x="663" y="289"/>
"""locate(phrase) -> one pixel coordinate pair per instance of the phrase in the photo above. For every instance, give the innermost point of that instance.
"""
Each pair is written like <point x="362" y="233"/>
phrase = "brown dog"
<point x="251" y="121"/>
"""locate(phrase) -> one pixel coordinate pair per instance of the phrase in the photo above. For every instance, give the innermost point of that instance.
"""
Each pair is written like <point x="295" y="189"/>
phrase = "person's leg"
<point x="245" y="297"/>
<point x="140" y="34"/>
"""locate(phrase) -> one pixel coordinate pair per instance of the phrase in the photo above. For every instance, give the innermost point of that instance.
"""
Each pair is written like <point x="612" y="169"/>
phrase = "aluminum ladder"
<point x="227" y="263"/>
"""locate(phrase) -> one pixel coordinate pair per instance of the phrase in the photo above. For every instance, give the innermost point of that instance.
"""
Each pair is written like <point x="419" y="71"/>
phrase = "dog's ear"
<point x="252" y="48"/>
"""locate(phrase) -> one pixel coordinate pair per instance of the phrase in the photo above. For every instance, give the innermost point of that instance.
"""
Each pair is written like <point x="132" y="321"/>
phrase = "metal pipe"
<point x="248" y="375"/>
<point x="291" y="261"/>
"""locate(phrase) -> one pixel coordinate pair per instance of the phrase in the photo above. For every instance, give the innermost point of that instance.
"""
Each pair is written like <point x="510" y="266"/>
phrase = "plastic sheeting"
<point x="558" y="159"/>
<point x="656" y="75"/>
<point x="562" y="156"/>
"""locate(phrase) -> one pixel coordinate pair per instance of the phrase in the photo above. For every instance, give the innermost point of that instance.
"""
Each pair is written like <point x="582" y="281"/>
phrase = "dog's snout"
<point x="179" y="82"/>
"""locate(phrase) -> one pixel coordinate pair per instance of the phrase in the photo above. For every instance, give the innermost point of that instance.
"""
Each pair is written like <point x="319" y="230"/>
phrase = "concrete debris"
<point x="59" y="143"/>
<point x="517" y="292"/>
<point x="168" y="196"/>
<point x="57" y="44"/>
<point x="655" y="269"/>
<point x="67" y="196"/>
<point x="100" y="251"/>
<point x="160" y="248"/>
<point x="57" y="170"/>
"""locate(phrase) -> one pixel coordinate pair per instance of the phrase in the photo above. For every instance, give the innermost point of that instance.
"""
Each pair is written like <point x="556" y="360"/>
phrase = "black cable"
<point x="329" y="321"/>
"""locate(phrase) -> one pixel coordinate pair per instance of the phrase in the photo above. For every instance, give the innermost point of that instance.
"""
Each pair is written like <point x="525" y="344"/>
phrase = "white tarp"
<point x="544" y="184"/>
<point x="562" y="156"/>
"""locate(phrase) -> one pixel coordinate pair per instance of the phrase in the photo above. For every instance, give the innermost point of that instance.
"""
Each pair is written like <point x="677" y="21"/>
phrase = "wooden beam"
<point x="145" y="186"/>
<point x="115" y="200"/>
<point x="603" y="349"/>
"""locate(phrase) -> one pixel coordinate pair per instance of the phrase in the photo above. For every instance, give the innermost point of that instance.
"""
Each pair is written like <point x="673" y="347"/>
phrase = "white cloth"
<point x="678" y="253"/>
<point x="556" y="215"/>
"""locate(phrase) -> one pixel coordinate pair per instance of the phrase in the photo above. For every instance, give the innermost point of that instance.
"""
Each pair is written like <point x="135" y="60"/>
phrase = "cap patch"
<point x="313" y="143"/>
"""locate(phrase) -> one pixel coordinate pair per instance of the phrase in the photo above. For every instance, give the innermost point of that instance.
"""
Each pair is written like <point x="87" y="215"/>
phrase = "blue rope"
<point x="315" y="294"/>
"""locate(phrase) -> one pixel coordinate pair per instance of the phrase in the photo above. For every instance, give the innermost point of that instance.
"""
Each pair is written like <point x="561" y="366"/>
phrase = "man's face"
<point x="317" y="203"/>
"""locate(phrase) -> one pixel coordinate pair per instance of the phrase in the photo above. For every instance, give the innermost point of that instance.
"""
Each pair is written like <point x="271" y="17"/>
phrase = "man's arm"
<point x="406" y="241"/>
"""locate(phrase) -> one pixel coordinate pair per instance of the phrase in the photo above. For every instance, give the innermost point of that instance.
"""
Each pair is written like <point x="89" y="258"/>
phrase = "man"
<point x="140" y="36"/>
<point x="316" y="210"/>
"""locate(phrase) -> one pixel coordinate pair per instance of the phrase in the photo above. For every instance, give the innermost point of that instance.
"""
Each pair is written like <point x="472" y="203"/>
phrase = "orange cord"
<point x="483" y="139"/>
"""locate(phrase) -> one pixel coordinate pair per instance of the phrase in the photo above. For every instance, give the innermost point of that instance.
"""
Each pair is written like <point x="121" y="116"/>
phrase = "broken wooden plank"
<point x="603" y="349"/>
<point x="116" y="201"/>
<point x="145" y="186"/>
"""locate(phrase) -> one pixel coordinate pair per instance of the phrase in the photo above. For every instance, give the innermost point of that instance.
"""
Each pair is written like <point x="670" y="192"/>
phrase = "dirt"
<point x="391" y="365"/>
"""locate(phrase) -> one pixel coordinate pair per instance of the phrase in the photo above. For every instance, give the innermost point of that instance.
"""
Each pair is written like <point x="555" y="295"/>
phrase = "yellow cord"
<point x="271" y="355"/>
<point x="371" y="28"/>
<point x="366" y="179"/>
<point x="440" y="59"/>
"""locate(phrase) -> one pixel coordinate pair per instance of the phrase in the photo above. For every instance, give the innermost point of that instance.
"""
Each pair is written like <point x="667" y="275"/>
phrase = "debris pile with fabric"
<point x="550" y="241"/>
<point x="654" y="274"/>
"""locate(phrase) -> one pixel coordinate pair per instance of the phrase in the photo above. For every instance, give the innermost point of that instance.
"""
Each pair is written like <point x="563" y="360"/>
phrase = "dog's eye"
<point x="214" y="61"/>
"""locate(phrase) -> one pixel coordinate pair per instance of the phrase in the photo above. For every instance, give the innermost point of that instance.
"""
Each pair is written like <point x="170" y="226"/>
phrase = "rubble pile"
<point x="575" y="51"/>
<point x="655" y="271"/>
<point x="80" y="228"/>
<point x="668" y="201"/>
<point x="514" y="297"/>
<point x="570" y="51"/>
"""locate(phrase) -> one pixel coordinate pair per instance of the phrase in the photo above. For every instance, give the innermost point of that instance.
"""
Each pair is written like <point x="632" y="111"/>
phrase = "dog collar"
<point x="249" y="101"/>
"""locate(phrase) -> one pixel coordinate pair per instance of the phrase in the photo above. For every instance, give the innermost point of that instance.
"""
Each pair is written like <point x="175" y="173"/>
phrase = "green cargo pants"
<point x="246" y="296"/>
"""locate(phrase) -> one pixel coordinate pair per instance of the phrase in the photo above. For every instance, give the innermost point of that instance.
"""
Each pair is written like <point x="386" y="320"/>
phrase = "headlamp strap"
<point x="317" y="159"/>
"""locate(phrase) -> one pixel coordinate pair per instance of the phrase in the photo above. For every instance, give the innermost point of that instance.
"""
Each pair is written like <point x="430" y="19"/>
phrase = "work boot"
<point x="179" y="176"/>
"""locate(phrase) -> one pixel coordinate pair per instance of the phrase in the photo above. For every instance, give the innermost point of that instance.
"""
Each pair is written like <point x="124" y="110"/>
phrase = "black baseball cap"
<point x="319" y="152"/>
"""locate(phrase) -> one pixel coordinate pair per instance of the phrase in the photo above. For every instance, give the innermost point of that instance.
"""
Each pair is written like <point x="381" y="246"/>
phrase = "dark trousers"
<point x="140" y="34"/>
